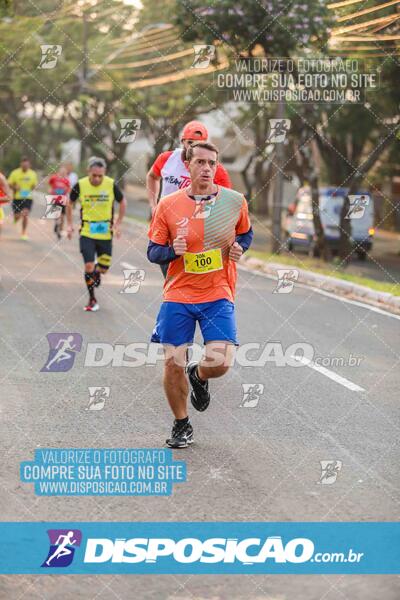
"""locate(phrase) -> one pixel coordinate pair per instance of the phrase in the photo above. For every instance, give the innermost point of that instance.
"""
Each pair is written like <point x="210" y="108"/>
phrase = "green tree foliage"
<point x="352" y="139"/>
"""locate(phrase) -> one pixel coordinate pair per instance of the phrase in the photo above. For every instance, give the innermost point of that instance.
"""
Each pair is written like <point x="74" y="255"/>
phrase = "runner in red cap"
<point x="194" y="130"/>
<point x="169" y="166"/>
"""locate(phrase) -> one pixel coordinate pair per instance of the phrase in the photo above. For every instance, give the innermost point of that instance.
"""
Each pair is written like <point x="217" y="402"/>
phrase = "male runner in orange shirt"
<point x="169" y="173"/>
<point x="200" y="232"/>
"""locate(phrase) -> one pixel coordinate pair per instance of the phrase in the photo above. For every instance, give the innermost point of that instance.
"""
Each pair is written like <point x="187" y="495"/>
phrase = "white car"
<point x="299" y="226"/>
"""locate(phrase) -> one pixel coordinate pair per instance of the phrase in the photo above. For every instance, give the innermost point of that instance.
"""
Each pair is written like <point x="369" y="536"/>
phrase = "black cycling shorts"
<point x="19" y="205"/>
<point x="91" y="248"/>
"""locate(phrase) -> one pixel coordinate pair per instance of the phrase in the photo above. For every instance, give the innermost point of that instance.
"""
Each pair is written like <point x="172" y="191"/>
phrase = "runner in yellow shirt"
<point x="97" y="194"/>
<point x="23" y="181"/>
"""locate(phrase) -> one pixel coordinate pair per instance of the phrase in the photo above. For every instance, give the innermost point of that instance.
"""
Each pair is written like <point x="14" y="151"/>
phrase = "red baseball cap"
<point x="194" y="130"/>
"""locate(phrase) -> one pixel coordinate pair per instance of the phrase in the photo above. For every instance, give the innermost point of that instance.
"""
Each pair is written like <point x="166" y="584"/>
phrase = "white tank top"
<point x="175" y="175"/>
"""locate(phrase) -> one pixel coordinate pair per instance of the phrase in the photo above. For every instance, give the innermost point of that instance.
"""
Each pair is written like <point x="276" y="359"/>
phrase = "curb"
<point x="330" y="284"/>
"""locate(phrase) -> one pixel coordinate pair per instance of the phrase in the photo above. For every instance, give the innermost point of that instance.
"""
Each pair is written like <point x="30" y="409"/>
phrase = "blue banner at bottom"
<point x="200" y="548"/>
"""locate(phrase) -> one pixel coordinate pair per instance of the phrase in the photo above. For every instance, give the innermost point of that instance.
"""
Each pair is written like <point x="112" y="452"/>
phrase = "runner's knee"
<point x="103" y="263"/>
<point x="213" y="370"/>
<point x="89" y="267"/>
<point x="173" y="370"/>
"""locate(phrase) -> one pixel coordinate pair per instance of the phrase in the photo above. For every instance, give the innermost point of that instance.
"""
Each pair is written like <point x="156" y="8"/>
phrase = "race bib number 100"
<point x="203" y="262"/>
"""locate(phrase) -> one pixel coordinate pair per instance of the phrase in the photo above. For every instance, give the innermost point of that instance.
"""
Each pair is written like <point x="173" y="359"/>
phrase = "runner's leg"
<point x="218" y="358"/>
<point x="103" y="252"/>
<point x="16" y="210"/>
<point x="25" y="214"/>
<point x="88" y="250"/>
<point x="175" y="327"/>
<point x="175" y="381"/>
<point x="218" y="326"/>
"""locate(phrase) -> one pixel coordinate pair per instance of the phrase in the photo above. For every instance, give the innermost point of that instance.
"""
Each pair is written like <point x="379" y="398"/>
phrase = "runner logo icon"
<point x="132" y="280"/>
<point x="358" y="204"/>
<point x="203" y="55"/>
<point x="286" y="281"/>
<point x="329" y="471"/>
<point x="129" y="129"/>
<point x="50" y="55"/>
<point x="251" y="394"/>
<point x="54" y="204"/>
<point x="97" y="397"/>
<point x="278" y="130"/>
<point x="63" y="347"/>
<point x="62" y="547"/>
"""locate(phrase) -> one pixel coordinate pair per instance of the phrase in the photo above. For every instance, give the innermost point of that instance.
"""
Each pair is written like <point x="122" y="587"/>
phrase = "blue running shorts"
<point x="176" y="322"/>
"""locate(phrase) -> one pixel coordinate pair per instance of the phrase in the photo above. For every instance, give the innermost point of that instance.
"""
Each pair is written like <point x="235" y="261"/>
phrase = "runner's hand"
<point x="179" y="245"/>
<point x="235" y="252"/>
<point x="70" y="231"/>
<point x="116" y="229"/>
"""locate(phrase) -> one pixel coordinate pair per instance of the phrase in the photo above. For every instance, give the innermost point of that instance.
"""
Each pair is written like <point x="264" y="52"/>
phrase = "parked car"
<point x="299" y="226"/>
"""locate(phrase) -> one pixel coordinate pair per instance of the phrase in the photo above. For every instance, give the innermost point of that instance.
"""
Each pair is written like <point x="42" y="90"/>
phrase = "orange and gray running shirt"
<point x="210" y="228"/>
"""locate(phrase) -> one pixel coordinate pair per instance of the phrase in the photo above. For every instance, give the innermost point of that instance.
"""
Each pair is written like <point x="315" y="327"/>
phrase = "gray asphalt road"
<point x="260" y="463"/>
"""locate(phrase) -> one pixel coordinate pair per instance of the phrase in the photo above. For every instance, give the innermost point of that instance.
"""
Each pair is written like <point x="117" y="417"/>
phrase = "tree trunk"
<point x="261" y="188"/>
<point x="245" y="176"/>
<point x="321" y="247"/>
<point x="311" y="175"/>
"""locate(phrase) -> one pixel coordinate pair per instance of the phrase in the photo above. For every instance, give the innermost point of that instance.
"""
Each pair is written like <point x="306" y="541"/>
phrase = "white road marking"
<point x="329" y="294"/>
<point x="324" y="371"/>
<point x="355" y="302"/>
<point x="126" y="265"/>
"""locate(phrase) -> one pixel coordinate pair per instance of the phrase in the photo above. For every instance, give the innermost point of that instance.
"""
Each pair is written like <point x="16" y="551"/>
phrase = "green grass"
<point x="321" y="267"/>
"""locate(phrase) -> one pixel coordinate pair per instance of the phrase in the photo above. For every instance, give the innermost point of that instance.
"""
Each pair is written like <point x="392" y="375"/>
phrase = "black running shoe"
<point x="181" y="435"/>
<point x="200" y="396"/>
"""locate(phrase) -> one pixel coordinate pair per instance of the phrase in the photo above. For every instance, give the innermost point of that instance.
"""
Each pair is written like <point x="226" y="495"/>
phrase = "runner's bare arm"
<point x="153" y="188"/>
<point x="73" y="196"/>
<point x="70" y="228"/>
<point x="121" y="214"/>
<point x="13" y="184"/>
